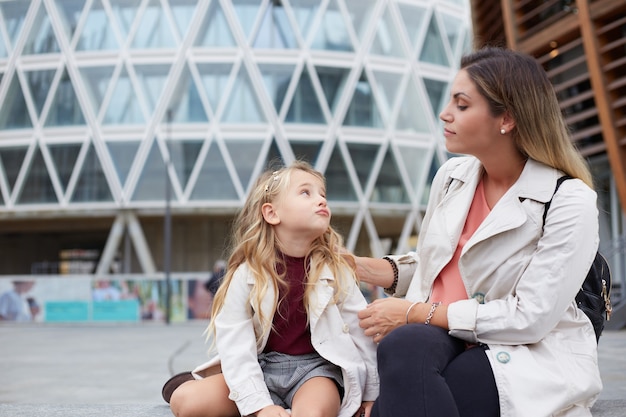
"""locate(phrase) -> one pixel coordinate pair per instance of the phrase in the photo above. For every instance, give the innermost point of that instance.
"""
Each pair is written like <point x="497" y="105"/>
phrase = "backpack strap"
<point x="547" y="205"/>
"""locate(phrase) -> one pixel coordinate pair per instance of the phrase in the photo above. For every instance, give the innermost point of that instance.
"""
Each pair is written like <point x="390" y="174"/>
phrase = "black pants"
<point x="425" y="372"/>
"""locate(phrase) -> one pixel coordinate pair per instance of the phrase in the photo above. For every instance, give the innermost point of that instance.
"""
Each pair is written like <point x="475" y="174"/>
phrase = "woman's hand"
<point x="382" y="316"/>
<point x="365" y="410"/>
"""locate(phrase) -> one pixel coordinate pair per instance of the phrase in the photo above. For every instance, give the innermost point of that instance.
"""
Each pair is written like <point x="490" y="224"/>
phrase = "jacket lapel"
<point x="509" y="212"/>
<point x="323" y="295"/>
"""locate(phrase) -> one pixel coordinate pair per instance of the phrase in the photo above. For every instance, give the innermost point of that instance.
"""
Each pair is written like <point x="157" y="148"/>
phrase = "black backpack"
<point x="594" y="296"/>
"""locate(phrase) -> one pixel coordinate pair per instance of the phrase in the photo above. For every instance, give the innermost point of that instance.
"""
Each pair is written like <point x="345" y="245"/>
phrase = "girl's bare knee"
<point x="183" y="402"/>
<point x="314" y="412"/>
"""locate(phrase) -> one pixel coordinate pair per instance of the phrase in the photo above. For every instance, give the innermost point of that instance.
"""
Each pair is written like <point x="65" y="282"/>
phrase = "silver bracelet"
<point x="409" y="310"/>
<point x="433" y="307"/>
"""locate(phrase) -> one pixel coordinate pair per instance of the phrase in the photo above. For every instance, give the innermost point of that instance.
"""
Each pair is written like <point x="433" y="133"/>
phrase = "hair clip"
<point x="273" y="179"/>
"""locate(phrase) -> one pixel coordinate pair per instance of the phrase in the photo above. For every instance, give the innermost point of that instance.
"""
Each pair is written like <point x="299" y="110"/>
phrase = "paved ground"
<point x="118" y="370"/>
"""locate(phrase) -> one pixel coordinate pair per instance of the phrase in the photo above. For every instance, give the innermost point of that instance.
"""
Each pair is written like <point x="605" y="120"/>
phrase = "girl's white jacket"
<point x="520" y="281"/>
<point x="335" y="334"/>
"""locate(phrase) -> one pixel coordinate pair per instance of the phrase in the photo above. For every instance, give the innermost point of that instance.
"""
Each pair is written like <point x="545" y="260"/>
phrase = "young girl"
<point x="285" y="321"/>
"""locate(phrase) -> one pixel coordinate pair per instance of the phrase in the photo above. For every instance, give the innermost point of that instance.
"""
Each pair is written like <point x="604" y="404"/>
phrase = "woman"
<point x="482" y="321"/>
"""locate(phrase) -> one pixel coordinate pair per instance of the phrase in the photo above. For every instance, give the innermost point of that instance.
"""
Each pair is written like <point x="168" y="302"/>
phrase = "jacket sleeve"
<point x="351" y="305"/>
<point x="237" y="348"/>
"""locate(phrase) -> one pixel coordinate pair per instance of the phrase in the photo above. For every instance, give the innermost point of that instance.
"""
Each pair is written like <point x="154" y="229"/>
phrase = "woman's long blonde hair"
<point x="514" y="82"/>
<point x="255" y="243"/>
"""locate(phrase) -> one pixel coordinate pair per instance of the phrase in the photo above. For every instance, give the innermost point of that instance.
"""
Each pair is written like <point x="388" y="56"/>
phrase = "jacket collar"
<point x="537" y="181"/>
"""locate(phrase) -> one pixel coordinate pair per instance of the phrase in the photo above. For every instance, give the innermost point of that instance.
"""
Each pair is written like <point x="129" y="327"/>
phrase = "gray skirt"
<point x="284" y="374"/>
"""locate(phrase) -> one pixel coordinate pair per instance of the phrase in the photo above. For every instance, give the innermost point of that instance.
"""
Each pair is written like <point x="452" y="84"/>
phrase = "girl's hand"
<point x="272" y="411"/>
<point x="382" y="316"/>
<point x="365" y="410"/>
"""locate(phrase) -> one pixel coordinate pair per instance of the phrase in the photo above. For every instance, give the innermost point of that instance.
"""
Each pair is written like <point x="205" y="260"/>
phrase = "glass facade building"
<point x="131" y="130"/>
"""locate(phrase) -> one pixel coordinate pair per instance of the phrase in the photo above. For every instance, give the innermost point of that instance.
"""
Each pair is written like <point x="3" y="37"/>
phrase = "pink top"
<point x="448" y="286"/>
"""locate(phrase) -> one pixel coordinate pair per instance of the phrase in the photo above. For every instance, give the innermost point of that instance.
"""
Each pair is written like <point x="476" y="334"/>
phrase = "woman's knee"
<point x="411" y="339"/>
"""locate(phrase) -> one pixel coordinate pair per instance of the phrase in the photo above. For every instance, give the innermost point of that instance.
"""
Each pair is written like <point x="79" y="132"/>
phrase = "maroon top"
<point x="291" y="333"/>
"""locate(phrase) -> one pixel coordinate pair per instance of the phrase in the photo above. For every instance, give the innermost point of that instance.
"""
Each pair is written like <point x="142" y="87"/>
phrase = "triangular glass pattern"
<point x="247" y="11"/>
<point x="413" y="116"/>
<point x="276" y="78"/>
<point x="388" y="83"/>
<point x="70" y="12"/>
<point x="183" y="12"/>
<point x="214" y="182"/>
<point x="360" y="14"/>
<point x="125" y="12"/>
<point x="154" y="30"/>
<point x="274" y="159"/>
<point x="123" y="154"/>
<point x="39" y="83"/>
<point x="433" y="50"/>
<point x="152" y="79"/>
<point x="214" y="80"/>
<point x="215" y="31"/>
<point x="305" y="11"/>
<point x="14" y="13"/>
<point x="414" y="159"/>
<point x="362" y="235"/>
<point x="124" y="107"/>
<point x="387" y="41"/>
<point x="338" y="184"/>
<point x="453" y="28"/>
<point x="183" y="155"/>
<point x="97" y="33"/>
<point x="363" y="156"/>
<point x="92" y="184"/>
<point x="332" y="34"/>
<point x="41" y="39"/>
<point x="275" y="31"/>
<point x="306" y="150"/>
<point x="64" y="156"/>
<point x="96" y="81"/>
<point x="37" y="187"/>
<point x="343" y="225"/>
<point x="3" y="48"/>
<point x="413" y="17"/>
<point x="151" y="184"/>
<point x="12" y="159"/>
<point x="305" y="106"/>
<point x="13" y="111"/>
<point x="389" y="187"/>
<point x="186" y="104"/>
<point x="435" y="90"/>
<point x="244" y="106"/>
<point x="363" y="110"/>
<point x="333" y="82"/>
<point x="65" y="109"/>
<point x="244" y="154"/>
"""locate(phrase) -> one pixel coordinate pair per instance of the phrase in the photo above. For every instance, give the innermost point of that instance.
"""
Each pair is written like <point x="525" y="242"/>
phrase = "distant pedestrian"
<point x="16" y="305"/>
<point x="214" y="282"/>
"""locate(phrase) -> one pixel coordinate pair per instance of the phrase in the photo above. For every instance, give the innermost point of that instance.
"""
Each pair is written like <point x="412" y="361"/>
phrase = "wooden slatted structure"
<point x="582" y="46"/>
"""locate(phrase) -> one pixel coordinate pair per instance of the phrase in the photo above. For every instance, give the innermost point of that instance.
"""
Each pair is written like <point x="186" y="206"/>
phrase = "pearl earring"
<point x="502" y="131"/>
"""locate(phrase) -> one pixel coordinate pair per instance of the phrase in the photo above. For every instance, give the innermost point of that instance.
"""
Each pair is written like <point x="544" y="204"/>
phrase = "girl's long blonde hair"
<point x="255" y="243"/>
<point x="515" y="82"/>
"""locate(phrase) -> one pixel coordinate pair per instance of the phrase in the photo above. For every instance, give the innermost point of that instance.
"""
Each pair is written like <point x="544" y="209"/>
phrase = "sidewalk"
<point x="118" y="370"/>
